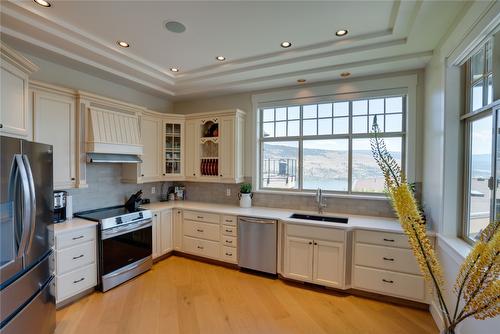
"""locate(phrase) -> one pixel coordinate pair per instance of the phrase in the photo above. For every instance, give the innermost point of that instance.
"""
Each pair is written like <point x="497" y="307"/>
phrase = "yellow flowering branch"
<point x="478" y="280"/>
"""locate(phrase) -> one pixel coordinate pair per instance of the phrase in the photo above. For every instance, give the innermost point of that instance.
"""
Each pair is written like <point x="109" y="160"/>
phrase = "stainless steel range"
<point x="125" y="243"/>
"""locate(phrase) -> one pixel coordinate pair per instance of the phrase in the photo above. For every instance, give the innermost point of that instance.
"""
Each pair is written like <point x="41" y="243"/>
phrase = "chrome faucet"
<point x="320" y="201"/>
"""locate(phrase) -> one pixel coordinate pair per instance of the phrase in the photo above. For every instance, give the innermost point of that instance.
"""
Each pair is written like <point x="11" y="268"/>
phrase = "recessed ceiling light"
<point x="345" y="74"/>
<point x="220" y="58"/>
<point x="174" y="69"/>
<point x="42" y="3"/>
<point x="301" y="80"/>
<point x="175" y="27"/>
<point x="286" y="44"/>
<point x="123" y="44"/>
<point x="341" y="32"/>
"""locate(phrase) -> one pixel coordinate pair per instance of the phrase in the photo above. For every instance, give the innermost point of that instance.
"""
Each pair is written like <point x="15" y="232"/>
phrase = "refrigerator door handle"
<point x="26" y="216"/>
<point x="32" y="207"/>
<point x="13" y="180"/>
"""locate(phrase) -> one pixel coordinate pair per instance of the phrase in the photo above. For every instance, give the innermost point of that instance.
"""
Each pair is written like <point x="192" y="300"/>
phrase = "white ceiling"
<point x="384" y="36"/>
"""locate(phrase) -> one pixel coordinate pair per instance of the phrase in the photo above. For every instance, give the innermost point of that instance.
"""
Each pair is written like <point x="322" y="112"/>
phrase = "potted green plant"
<point x="245" y="195"/>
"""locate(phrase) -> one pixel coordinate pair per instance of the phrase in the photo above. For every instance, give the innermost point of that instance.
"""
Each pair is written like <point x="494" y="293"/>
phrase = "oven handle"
<point x="116" y="231"/>
<point x="127" y="268"/>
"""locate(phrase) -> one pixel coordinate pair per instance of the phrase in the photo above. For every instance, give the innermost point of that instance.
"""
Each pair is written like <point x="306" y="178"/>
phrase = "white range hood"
<point x="113" y="133"/>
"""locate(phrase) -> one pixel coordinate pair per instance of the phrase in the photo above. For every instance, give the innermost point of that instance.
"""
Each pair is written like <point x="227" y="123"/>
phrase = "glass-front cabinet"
<point x="173" y="134"/>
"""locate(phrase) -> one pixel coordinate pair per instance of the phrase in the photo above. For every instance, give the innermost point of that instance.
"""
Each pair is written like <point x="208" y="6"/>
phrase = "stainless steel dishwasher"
<point x="257" y="244"/>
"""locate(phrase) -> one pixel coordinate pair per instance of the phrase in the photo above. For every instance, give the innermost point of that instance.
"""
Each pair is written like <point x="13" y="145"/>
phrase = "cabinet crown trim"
<point x="17" y="59"/>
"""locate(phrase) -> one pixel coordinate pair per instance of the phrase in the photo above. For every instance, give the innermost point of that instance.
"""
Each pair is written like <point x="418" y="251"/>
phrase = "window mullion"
<point x="349" y="153"/>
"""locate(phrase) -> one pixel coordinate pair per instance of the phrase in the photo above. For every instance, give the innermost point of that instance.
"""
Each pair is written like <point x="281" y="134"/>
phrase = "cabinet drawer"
<point x="74" y="282"/>
<point x="201" y="247"/>
<point x="75" y="257"/>
<point x="229" y="241"/>
<point x="229" y="254"/>
<point x="72" y="238"/>
<point x="382" y="238"/>
<point x="202" y="216"/>
<point x="229" y="230"/>
<point x="390" y="258"/>
<point x="390" y="283"/>
<point x="201" y="230"/>
<point x="311" y="232"/>
<point x="229" y="220"/>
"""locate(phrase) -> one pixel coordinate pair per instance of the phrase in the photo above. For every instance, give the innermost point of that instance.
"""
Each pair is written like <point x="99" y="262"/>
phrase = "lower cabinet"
<point x="75" y="262"/>
<point x="162" y="232"/>
<point x="313" y="259"/>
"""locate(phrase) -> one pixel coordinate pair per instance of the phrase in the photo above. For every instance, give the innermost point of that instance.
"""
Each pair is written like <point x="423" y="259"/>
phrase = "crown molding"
<point x="17" y="59"/>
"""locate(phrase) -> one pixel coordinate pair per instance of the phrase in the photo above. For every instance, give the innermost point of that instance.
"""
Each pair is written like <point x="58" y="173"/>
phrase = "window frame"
<point x="350" y="136"/>
<point x="468" y="116"/>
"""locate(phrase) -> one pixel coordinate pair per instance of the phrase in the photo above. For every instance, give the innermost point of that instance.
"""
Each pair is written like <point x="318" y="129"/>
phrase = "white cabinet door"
<point x="177" y="222"/>
<point x="54" y="124"/>
<point x="173" y="147"/>
<point x="191" y="155"/>
<point x="166" y="231"/>
<point x="227" y="147"/>
<point x="15" y="118"/>
<point x="151" y="139"/>
<point x="156" y="234"/>
<point x="298" y="258"/>
<point x="328" y="263"/>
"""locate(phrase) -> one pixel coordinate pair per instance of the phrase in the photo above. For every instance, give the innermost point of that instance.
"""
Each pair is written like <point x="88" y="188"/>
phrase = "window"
<point x="327" y="144"/>
<point x="481" y="124"/>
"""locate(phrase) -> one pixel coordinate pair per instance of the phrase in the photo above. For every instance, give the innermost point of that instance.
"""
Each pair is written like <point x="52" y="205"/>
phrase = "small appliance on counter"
<point x="60" y="202"/>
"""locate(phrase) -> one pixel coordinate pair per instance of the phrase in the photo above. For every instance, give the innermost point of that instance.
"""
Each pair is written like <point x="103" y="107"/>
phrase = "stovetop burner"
<point x="114" y="216"/>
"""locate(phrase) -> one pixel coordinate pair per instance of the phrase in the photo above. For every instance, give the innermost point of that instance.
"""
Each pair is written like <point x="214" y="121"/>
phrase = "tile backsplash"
<point x="106" y="189"/>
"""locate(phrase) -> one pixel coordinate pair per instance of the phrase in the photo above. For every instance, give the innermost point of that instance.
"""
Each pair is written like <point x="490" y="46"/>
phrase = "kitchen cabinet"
<point x="75" y="259"/>
<point x="177" y="229"/>
<point x="215" y="146"/>
<point x="54" y="123"/>
<point x="191" y="170"/>
<point x="162" y="232"/>
<point x="150" y="168"/>
<point x="15" y="116"/>
<point x="172" y="155"/>
<point x="315" y="254"/>
<point x="385" y="264"/>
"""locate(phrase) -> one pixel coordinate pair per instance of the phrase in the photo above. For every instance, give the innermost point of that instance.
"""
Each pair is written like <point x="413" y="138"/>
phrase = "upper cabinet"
<point x="15" y="116"/>
<point x="214" y="146"/>
<point x="151" y="141"/>
<point x="54" y="123"/>
<point x="172" y="157"/>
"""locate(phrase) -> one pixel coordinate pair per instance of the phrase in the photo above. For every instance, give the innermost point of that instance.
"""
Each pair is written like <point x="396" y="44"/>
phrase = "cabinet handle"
<point x="229" y="254"/>
<point x="76" y="238"/>
<point x="389" y="240"/>
<point x="388" y="258"/>
<point x="199" y="217"/>
<point x="79" y="280"/>
<point x="310" y="243"/>
<point x="229" y="231"/>
<point x="387" y="281"/>
<point x="77" y="257"/>
<point x="200" y="247"/>
<point x="199" y="230"/>
<point x="229" y="220"/>
<point x="229" y="241"/>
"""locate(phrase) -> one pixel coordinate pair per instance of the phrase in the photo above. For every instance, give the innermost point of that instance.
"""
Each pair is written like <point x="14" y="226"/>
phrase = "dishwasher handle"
<point x="256" y="220"/>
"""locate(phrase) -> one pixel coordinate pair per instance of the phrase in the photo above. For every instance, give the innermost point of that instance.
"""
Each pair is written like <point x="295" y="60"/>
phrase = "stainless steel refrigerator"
<point x="26" y="212"/>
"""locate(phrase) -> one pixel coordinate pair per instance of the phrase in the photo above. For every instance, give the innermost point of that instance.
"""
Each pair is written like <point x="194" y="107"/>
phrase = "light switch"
<point x="228" y="192"/>
<point x="153" y="190"/>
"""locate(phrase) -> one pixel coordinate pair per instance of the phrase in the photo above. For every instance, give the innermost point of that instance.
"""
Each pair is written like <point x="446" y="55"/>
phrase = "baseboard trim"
<point x="436" y="315"/>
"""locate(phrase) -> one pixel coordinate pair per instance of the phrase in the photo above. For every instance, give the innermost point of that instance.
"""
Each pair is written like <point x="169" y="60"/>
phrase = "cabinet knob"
<point x="142" y="175"/>
<point x="163" y="174"/>
<point x="156" y="215"/>
<point x="316" y="243"/>
<point x="310" y="243"/>
<point x="221" y="175"/>
<point x="1" y="125"/>
<point x="72" y="179"/>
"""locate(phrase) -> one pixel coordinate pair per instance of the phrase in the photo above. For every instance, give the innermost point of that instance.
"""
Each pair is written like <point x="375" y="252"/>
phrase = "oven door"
<point x="124" y="245"/>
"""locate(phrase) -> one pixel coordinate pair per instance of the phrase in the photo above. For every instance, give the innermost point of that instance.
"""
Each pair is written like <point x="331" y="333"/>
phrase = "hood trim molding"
<point x="113" y="158"/>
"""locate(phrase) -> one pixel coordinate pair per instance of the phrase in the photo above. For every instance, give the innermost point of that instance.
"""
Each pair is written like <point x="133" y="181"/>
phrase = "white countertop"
<point x="72" y="225"/>
<point x="355" y="221"/>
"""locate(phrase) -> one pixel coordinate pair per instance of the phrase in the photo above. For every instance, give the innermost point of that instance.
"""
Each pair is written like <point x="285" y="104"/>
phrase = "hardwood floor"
<point x="181" y="295"/>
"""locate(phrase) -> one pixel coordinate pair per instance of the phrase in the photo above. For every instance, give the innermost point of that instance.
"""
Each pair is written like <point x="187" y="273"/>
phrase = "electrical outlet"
<point x="228" y="192"/>
<point x="153" y="190"/>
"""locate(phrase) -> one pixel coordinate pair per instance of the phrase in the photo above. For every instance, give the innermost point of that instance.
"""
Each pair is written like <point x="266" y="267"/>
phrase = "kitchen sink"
<point x="320" y="218"/>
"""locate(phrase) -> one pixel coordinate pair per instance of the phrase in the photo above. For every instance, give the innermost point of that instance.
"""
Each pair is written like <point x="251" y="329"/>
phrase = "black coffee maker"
<point x="60" y="206"/>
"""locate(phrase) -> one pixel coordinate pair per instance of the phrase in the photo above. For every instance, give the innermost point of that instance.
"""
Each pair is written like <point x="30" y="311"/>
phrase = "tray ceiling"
<point x="384" y="36"/>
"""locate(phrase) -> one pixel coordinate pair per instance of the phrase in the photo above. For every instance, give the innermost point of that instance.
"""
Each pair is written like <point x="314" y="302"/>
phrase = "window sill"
<point x="457" y="248"/>
<point x="328" y="195"/>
